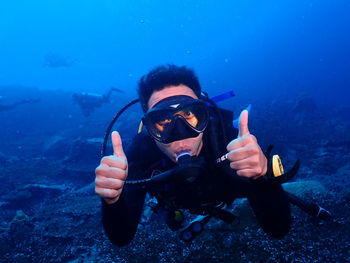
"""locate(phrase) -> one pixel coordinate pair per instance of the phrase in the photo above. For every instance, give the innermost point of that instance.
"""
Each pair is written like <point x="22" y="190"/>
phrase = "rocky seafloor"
<point x="49" y="212"/>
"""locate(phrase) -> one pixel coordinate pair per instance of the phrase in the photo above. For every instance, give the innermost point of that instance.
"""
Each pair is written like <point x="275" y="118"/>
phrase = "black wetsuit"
<point x="218" y="184"/>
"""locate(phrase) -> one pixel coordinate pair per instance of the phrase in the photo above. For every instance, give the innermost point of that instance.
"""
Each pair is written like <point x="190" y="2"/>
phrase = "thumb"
<point x="117" y="145"/>
<point x="243" y="124"/>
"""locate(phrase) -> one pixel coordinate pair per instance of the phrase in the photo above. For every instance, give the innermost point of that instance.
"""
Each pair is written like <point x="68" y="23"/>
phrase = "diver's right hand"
<point x="112" y="172"/>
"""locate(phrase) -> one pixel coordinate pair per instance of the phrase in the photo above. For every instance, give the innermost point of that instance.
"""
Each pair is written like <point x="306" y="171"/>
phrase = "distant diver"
<point x="88" y="102"/>
<point x="5" y="107"/>
<point x="53" y="60"/>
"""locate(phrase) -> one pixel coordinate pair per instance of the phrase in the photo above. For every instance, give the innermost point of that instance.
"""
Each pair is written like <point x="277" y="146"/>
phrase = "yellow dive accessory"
<point x="277" y="166"/>
<point x="140" y="127"/>
<point x="178" y="216"/>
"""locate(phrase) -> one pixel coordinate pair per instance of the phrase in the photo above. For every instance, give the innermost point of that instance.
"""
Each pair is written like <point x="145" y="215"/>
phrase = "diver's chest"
<point x="187" y="195"/>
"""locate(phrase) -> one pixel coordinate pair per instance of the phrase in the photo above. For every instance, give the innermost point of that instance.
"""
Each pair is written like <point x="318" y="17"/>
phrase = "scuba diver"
<point x="11" y="106"/>
<point x="190" y="159"/>
<point x="88" y="102"/>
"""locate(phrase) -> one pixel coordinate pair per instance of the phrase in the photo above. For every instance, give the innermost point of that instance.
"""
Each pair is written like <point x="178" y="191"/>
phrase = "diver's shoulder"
<point x="227" y="115"/>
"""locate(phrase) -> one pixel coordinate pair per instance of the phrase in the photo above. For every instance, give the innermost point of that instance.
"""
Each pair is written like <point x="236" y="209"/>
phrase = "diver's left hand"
<point x="244" y="152"/>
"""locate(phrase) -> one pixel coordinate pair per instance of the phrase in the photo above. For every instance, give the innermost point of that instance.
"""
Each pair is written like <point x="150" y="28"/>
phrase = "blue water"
<point x="250" y="46"/>
<point x="264" y="50"/>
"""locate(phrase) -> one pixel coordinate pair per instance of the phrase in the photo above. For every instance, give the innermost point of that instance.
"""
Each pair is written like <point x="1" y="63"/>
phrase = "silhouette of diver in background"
<point x="89" y="101"/>
<point x="11" y="106"/>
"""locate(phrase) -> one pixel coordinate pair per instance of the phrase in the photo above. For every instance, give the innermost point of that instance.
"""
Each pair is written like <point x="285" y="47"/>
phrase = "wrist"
<point x="264" y="170"/>
<point x="110" y="201"/>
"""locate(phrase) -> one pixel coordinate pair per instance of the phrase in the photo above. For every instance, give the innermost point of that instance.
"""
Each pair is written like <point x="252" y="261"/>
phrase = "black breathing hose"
<point x="110" y="126"/>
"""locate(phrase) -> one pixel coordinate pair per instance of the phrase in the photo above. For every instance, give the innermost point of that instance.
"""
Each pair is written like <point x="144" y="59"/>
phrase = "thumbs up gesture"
<point x="112" y="172"/>
<point x="244" y="153"/>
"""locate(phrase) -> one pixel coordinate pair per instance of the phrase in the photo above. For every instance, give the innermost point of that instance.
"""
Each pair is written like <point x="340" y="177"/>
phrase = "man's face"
<point x="194" y="145"/>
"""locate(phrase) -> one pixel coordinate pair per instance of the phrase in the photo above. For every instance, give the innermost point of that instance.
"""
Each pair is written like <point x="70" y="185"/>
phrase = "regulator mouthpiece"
<point x="183" y="157"/>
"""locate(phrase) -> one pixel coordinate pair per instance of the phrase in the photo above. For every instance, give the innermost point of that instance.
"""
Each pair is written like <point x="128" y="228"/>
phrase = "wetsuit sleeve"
<point x="271" y="207"/>
<point x="270" y="203"/>
<point x="268" y="199"/>
<point x="120" y="220"/>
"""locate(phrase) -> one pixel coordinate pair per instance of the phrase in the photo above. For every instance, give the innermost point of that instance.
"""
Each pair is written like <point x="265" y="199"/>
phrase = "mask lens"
<point x="160" y="123"/>
<point x="189" y="116"/>
<point x="196" y="115"/>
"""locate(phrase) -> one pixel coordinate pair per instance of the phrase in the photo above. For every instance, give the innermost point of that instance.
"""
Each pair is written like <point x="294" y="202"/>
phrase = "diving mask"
<point x="176" y="118"/>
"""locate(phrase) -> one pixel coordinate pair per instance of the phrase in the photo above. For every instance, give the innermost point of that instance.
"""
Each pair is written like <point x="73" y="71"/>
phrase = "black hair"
<point x="166" y="75"/>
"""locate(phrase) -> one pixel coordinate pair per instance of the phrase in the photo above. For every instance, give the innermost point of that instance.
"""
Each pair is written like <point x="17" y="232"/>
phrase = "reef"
<point x="50" y="213"/>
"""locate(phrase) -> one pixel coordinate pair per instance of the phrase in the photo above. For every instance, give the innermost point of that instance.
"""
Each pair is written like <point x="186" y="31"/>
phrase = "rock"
<point x="241" y="207"/>
<point x="21" y="216"/>
<point x="77" y="175"/>
<point x="85" y="151"/>
<point x="305" y="188"/>
<point x="78" y="151"/>
<point x="87" y="189"/>
<point x="31" y="194"/>
<point x="21" y="227"/>
<point x="57" y="148"/>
